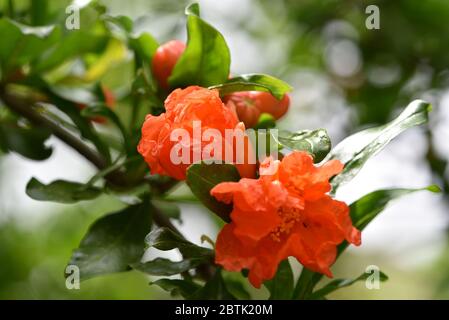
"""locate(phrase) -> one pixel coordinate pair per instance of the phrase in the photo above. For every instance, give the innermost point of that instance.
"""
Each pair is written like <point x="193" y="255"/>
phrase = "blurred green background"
<point x="345" y="77"/>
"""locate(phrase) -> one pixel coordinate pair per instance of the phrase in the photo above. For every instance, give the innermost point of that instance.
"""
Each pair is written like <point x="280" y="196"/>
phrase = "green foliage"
<point x="214" y="289"/>
<point x="342" y="283"/>
<point x="114" y="242"/>
<point x="177" y="287"/>
<point x="28" y="142"/>
<point x="355" y="150"/>
<point x="281" y="286"/>
<point x="202" y="177"/>
<point x="254" y="82"/>
<point x="22" y="44"/>
<point x="206" y="59"/>
<point x="170" y="209"/>
<point x="61" y="191"/>
<point x="105" y="112"/>
<point x="165" y="239"/>
<point x="315" y="142"/>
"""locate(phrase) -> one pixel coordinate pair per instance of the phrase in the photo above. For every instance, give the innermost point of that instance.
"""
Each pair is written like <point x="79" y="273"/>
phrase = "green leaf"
<point x="61" y="101"/>
<point x="28" y="142"/>
<point x="144" y="46"/>
<point x="342" y="283"/>
<point x="166" y="267"/>
<point x="193" y="9"/>
<point x="114" y="242"/>
<point x="355" y="150"/>
<point x="365" y="209"/>
<point x="362" y="212"/>
<point x="61" y="191"/>
<point x="214" y="289"/>
<point x="165" y="239"/>
<point x="254" y="82"/>
<point x="235" y="284"/>
<point x="102" y="110"/>
<point x="202" y="177"/>
<point x="170" y="209"/>
<point x="22" y="44"/>
<point x="315" y="142"/>
<point x="76" y="43"/>
<point x="123" y="22"/>
<point x="142" y="88"/>
<point x="206" y="59"/>
<point x="39" y="12"/>
<point x="184" y="288"/>
<point x="281" y="286"/>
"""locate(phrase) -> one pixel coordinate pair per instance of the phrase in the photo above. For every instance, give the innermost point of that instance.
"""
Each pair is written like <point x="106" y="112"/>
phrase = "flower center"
<point x="289" y="216"/>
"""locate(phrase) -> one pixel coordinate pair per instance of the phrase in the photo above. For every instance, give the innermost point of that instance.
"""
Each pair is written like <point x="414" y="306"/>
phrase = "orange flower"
<point x="183" y="107"/>
<point x="286" y="212"/>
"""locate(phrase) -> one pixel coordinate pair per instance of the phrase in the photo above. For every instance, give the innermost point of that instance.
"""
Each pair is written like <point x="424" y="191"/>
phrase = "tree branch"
<point x="28" y="112"/>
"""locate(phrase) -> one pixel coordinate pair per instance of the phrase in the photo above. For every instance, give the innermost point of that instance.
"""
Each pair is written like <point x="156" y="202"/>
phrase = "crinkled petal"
<point x="261" y="259"/>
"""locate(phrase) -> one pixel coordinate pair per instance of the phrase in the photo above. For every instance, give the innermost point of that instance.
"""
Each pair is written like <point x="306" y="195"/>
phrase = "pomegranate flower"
<point x="286" y="212"/>
<point x="184" y="109"/>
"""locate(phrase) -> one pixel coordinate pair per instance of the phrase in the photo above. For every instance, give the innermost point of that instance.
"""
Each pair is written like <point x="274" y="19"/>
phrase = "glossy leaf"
<point x="235" y="284"/>
<point x="28" y="142"/>
<point x="202" y="177"/>
<point x="315" y="142"/>
<point x="74" y="44"/>
<point x="22" y="44"/>
<point x="214" y="289"/>
<point x="114" y="242"/>
<point x="61" y="191"/>
<point x="364" y="210"/>
<point x="281" y="286"/>
<point x="101" y="110"/>
<point x="62" y="101"/>
<point x="254" y="82"/>
<point x="144" y="46"/>
<point x="185" y="288"/>
<point x="342" y="283"/>
<point x="206" y="59"/>
<point x="170" y="209"/>
<point x="355" y="150"/>
<point x="165" y="239"/>
<point x="166" y="267"/>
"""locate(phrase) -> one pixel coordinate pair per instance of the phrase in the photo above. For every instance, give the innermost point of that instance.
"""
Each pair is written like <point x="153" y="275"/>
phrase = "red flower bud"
<point x="250" y="104"/>
<point x="245" y="108"/>
<point x="165" y="60"/>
